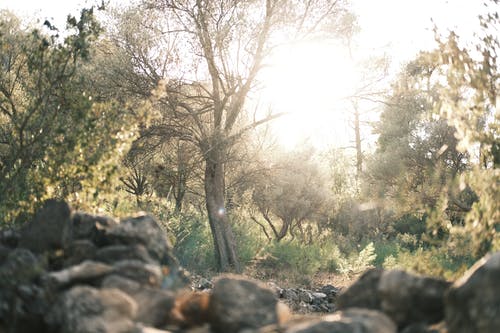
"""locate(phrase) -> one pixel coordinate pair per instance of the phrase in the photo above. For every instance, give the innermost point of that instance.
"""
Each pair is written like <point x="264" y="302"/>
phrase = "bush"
<point x="358" y="262"/>
<point x="385" y="250"/>
<point x="410" y="224"/>
<point x="248" y="238"/>
<point x="295" y="256"/>
<point x="432" y="261"/>
<point x="193" y="244"/>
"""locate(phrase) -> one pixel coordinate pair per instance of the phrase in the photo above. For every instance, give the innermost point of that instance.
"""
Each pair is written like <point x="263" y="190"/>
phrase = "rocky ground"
<point x="74" y="272"/>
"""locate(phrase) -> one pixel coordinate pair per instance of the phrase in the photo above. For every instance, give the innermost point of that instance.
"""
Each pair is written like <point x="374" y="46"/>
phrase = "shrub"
<point x="384" y="250"/>
<point x="193" y="244"/>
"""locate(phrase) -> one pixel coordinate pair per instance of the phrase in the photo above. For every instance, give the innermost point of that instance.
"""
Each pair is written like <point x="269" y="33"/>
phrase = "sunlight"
<point x="309" y="81"/>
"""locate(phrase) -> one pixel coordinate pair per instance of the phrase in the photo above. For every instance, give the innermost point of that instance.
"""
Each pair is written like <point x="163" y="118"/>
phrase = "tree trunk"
<point x="359" y="151"/>
<point x="224" y="243"/>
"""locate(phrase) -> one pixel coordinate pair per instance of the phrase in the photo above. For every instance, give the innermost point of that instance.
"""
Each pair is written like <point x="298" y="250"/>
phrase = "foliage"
<point x="52" y="135"/>
<point x="417" y="157"/>
<point x="192" y="242"/>
<point x="433" y="262"/>
<point x="291" y="192"/>
<point x="469" y="103"/>
<point x="358" y="262"/>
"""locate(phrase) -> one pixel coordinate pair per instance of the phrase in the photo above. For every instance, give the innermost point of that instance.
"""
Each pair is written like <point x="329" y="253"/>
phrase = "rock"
<point x="473" y="302"/>
<point x="155" y="305"/>
<point x="89" y="310"/>
<point x="348" y="321"/>
<point x="139" y="271"/>
<point x="20" y="267"/>
<point x="305" y="296"/>
<point x="237" y="303"/>
<point x="145" y="329"/>
<point x="88" y="272"/>
<point x="79" y="251"/>
<point x="204" y="284"/>
<point x="114" y="253"/>
<point x="408" y="298"/>
<point x="290" y="294"/>
<point x="22" y="303"/>
<point x="423" y="328"/>
<point x="4" y="253"/>
<point x="49" y="230"/>
<point x="331" y="292"/>
<point x="363" y="293"/>
<point x="191" y="309"/>
<point x="10" y="237"/>
<point x="91" y="227"/>
<point x="142" y="230"/>
<point x="404" y="297"/>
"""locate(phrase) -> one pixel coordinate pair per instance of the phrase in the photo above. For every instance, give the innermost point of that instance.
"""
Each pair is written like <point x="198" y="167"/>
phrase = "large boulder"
<point x="238" y="303"/>
<point x="473" y="302"/>
<point x="405" y="298"/>
<point x="408" y="298"/>
<point x="50" y="229"/>
<point x="88" y="310"/>
<point x="363" y="293"/>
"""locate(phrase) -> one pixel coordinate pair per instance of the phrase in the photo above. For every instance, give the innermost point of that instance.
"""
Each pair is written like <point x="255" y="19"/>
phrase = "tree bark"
<point x="224" y="243"/>
<point x="359" y="151"/>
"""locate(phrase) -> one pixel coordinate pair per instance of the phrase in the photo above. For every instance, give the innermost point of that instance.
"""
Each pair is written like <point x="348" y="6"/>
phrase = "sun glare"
<point x="310" y="82"/>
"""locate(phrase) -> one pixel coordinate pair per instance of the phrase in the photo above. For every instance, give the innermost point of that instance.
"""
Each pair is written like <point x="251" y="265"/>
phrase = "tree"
<point x="48" y="124"/>
<point x="217" y="49"/>
<point x="291" y="192"/>
<point x="416" y="158"/>
<point x="469" y="102"/>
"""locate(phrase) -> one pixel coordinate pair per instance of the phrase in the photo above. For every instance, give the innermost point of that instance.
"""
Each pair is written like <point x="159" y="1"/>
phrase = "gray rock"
<point x="89" y="310"/>
<point x="79" y="251"/>
<point x="142" y="230"/>
<point x="91" y="227"/>
<point x="423" y="328"/>
<point x="10" y="237"/>
<point x="404" y="297"/>
<point x="348" y="321"/>
<point x="305" y="296"/>
<point x="363" y="293"/>
<point x="473" y="302"/>
<point x="204" y="284"/>
<point x="290" y="294"/>
<point x="88" y="272"/>
<point x="49" y="230"/>
<point x="408" y="298"/>
<point x="155" y="305"/>
<point x="331" y="292"/>
<point x="21" y="266"/>
<point x="238" y="303"/>
<point x="146" y="274"/>
<point x="114" y="253"/>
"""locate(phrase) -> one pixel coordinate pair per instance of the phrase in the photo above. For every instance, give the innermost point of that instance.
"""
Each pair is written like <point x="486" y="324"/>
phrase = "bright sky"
<point x="308" y="81"/>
